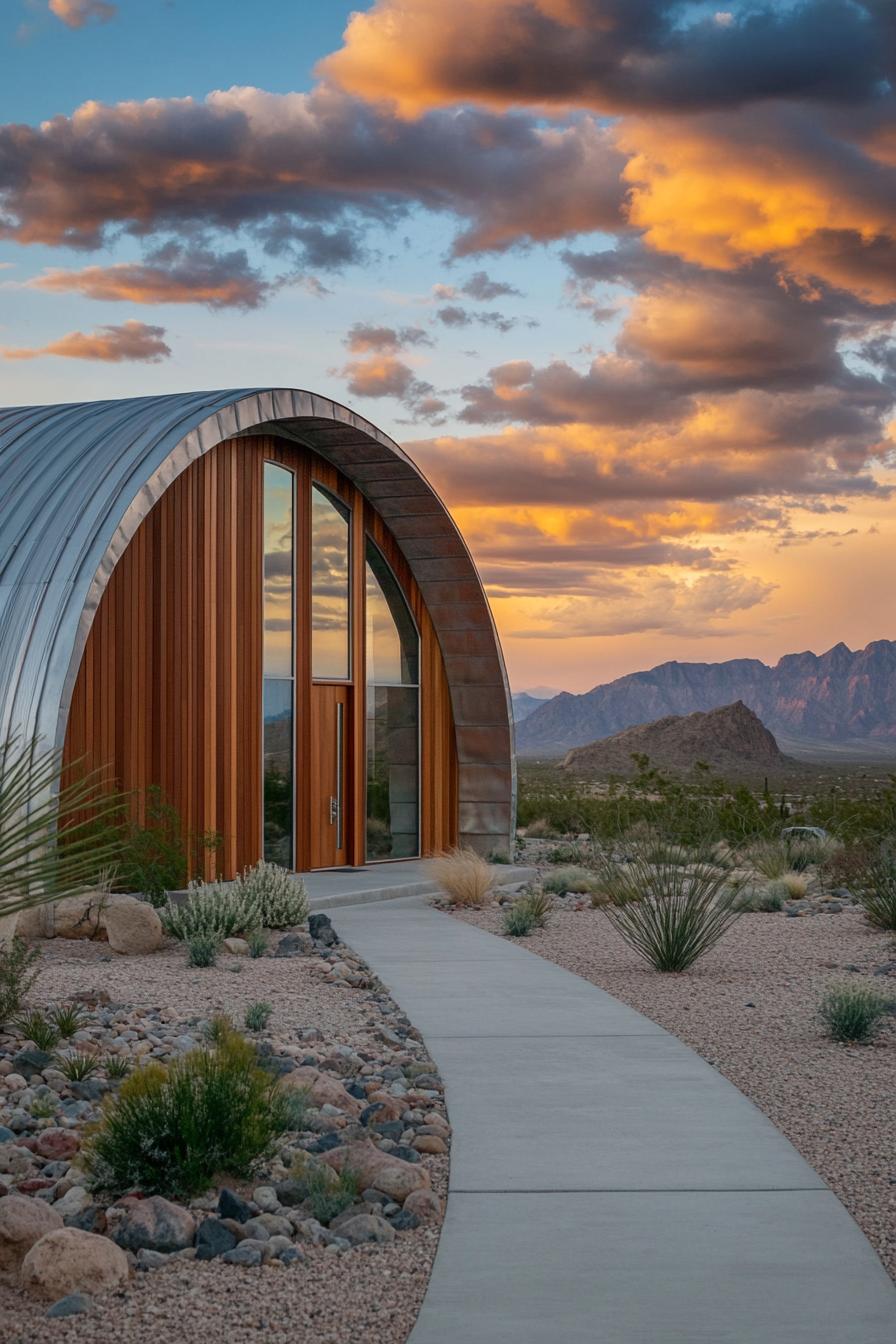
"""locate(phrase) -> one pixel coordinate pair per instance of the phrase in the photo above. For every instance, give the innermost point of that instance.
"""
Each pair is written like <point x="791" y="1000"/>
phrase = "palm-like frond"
<point x="57" y="832"/>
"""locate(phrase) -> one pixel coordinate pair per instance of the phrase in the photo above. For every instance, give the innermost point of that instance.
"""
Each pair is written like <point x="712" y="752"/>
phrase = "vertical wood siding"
<point x="169" y="688"/>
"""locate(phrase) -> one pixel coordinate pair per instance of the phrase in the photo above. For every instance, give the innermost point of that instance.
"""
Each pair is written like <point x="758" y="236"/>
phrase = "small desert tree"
<point x="53" y="842"/>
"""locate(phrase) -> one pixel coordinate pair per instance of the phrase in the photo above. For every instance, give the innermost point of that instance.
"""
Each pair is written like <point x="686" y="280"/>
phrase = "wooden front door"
<point x="330" y="791"/>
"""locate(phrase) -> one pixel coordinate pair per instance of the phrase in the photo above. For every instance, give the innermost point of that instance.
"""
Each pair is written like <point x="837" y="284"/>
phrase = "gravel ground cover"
<point x="374" y="1092"/>
<point x="749" y="1007"/>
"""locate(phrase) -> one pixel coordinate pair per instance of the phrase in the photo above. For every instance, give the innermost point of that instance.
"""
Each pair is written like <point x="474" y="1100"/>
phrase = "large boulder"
<point x="22" y="1223"/>
<point x="378" y="1170"/>
<point x="324" y="1089"/>
<point x="72" y="1261"/>
<point x="132" y="927"/>
<point x="77" y="916"/>
<point x="154" y="1224"/>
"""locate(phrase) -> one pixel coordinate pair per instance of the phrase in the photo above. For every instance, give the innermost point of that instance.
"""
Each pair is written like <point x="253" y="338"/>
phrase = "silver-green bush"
<point x="217" y="909"/>
<point x="281" y="898"/>
<point x="572" y="878"/>
<point x="530" y="911"/>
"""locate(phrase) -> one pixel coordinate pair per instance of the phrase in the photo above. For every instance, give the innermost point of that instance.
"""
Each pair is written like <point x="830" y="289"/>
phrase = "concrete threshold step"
<point x="347" y="887"/>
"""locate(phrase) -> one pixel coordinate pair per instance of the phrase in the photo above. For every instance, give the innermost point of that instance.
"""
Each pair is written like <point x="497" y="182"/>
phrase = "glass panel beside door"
<point x="330" y="587"/>
<point x="278" y="661"/>
<point x="393" y="716"/>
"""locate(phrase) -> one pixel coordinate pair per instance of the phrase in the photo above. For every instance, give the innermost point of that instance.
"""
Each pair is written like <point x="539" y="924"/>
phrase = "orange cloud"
<point x="76" y="13"/>
<point x="111" y="344"/>
<point x="610" y="55"/>
<point x="726" y="190"/>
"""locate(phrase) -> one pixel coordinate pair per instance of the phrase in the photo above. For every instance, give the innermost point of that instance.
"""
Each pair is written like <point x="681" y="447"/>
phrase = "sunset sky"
<point x="619" y="274"/>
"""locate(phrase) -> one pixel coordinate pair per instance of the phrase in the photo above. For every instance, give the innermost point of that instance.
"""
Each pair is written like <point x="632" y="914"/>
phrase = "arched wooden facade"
<point x="159" y="672"/>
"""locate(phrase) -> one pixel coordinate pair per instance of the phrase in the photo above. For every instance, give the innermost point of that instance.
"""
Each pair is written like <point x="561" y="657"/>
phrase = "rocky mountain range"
<point x="525" y="704"/>
<point x="842" y="696"/>
<point x="731" y="740"/>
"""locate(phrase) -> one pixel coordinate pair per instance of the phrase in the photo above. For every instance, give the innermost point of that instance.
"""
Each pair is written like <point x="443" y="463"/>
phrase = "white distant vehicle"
<point x="804" y="833"/>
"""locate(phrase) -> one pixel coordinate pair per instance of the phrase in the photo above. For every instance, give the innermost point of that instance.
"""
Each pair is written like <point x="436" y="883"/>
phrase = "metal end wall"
<point x="76" y="481"/>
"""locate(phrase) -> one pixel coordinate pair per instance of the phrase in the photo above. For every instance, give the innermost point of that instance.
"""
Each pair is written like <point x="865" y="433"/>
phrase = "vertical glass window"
<point x="278" y="664"/>
<point x="393" y="716"/>
<point x="330" y="587"/>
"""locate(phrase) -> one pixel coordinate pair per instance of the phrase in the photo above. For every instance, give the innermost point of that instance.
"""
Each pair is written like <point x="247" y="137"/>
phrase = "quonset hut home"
<point x="253" y="601"/>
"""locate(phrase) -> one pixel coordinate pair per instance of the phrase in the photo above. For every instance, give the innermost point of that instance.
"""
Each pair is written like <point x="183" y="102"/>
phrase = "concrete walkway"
<point x="607" y="1185"/>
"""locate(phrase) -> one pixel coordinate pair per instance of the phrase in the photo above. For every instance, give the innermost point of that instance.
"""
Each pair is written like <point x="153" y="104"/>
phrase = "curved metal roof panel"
<point x="77" y="480"/>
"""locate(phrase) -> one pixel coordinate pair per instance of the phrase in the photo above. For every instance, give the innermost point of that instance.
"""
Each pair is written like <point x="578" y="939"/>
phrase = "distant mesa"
<point x="730" y="741"/>
<point x="812" y="702"/>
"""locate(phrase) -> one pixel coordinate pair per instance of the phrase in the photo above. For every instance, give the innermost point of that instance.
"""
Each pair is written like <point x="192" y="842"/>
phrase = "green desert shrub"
<point x="297" y="1102"/>
<point x="769" y="857"/>
<point x="670" y="915"/>
<point x="281" y="898"/>
<point x="574" y="879"/>
<point x="258" y="1015"/>
<point x="202" y="950"/>
<point x="168" y="1131"/>
<point x="258" y="943"/>
<point x="571" y="853"/>
<point x="19" y="968"/>
<point x="67" y="1018"/>
<point x="876" y="891"/>
<point x="528" y="912"/>
<point x="36" y="1026"/>
<point x="327" y="1192"/>
<point x="117" y="1067"/>
<point x="77" y="1065"/>
<point x="853" y="1012"/>
<point x="216" y="909"/>
<point x="761" y="900"/>
<point x="802" y="853"/>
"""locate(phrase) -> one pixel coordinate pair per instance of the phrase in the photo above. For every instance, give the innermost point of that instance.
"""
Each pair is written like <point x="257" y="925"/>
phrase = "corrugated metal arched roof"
<point x="77" y="480"/>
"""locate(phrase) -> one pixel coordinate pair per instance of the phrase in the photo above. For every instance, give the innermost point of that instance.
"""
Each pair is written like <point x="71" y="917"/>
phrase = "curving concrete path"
<point x="607" y="1185"/>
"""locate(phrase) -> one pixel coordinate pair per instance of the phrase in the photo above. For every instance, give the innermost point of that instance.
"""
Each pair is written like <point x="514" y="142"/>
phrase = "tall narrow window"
<point x="330" y="587"/>
<point x="278" y="665"/>
<point x="393" y="716"/>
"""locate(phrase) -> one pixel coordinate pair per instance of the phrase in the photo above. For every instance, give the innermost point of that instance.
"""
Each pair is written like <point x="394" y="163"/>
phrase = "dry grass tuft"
<point x="795" y="884"/>
<point x="465" y="877"/>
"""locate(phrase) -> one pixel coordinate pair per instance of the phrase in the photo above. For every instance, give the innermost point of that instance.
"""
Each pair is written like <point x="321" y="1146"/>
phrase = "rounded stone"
<point x="71" y="1261"/>
<point x="133" y="928"/>
<point x="156" y="1225"/>
<point x="430" y="1143"/>
<point x="425" y="1204"/>
<point x="22" y="1223"/>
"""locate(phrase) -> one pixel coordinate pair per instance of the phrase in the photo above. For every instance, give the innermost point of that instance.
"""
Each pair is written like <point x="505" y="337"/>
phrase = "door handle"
<point x="334" y="811"/>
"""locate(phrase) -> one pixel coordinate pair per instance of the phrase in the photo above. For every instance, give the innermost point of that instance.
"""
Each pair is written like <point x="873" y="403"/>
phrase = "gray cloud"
<point x="365" y="337"/>
<point x="171" y="274"/>
<point x="303" y="170"/>
<point x="613" y="55"/>
<point x="110" y="344"/>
